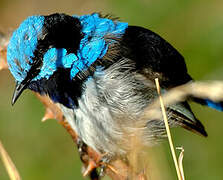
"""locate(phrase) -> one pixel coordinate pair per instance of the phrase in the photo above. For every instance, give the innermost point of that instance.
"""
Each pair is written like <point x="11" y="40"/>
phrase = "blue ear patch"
<point x="93" y="46"/>
<point x="22" y="46"/>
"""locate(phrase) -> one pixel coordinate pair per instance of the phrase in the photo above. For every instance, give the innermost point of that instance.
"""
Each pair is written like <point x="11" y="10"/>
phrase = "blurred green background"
<point x="46" y="151"/>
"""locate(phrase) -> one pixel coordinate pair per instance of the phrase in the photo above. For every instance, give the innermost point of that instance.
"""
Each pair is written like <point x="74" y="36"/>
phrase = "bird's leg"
<point x="103" y="162"/>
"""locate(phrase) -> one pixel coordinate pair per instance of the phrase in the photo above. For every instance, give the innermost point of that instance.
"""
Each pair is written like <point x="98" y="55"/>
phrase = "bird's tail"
<point x="215" y="105"/>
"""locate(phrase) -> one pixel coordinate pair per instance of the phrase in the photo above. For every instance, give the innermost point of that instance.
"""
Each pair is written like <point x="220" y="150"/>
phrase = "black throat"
<point x="60" y="88"/>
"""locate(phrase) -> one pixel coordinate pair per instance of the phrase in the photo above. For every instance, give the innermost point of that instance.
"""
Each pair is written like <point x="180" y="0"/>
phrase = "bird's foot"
<point x="103" y="162"/>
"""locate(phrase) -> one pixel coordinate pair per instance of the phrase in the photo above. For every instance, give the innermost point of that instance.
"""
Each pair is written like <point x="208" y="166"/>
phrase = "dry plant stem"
<point x="180" y="161"/>
<point x="10" y="167"/>
<point x="168" y="131"/>
<point x="211" y="90"/>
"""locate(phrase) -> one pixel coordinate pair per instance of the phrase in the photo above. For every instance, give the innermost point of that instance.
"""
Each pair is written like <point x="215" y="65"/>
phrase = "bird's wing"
<point x="154" y="57"/>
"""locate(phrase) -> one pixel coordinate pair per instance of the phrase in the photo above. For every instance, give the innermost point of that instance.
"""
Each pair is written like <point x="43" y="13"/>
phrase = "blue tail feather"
<point x="215" y="105"/>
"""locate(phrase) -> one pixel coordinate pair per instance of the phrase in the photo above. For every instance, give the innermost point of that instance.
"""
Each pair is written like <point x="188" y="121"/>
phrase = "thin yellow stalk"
<point x="9" y="165"/>
<point x="180" y="161"/>
<point x="168" y="131"/>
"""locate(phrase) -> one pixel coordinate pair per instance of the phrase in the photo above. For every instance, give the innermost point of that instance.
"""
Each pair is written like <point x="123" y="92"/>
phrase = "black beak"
<point x="19" y="88"/>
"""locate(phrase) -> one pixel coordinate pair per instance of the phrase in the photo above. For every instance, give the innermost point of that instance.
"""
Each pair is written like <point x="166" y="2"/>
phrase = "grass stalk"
<point x="168" y="131"/>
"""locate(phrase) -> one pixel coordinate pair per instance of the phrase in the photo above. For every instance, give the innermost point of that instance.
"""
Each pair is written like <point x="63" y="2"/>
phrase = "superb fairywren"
<point x="101" y="73"/>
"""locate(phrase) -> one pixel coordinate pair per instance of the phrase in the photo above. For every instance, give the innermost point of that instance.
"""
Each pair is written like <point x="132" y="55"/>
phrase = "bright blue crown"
<point x="22" y="46"/>
<point x="92" y="46"/>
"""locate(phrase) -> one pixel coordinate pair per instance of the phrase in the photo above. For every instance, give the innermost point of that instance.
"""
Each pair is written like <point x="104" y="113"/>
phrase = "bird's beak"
<point x="19" y="88"/>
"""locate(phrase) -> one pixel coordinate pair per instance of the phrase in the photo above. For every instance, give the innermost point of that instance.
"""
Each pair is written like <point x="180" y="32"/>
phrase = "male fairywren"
<point x="101" y="73"/>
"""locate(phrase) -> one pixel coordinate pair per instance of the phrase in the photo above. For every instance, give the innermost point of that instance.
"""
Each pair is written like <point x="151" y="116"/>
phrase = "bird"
<point x="100" y="72"/>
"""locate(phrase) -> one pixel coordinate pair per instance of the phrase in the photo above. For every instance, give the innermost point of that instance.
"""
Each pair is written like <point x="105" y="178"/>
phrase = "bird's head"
<point x="39" y="48"/>
<point x="47" y="52"/>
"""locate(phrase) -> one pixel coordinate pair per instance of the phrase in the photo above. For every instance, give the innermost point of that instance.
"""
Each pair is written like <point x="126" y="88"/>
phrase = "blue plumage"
<point x="92" y="46"/>
<point x="214" y="105"/>
<point x="22" y="45"/>
<point x="53" y="59"/>
<point x="101" y="73"/>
